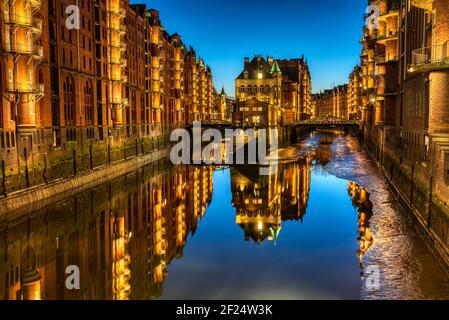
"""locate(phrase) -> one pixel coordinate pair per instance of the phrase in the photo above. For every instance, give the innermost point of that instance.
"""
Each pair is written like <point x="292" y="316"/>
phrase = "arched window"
<point x="89" y="103"/>
<point x="276" y="92"/>
<point x="142" y="109"/>
<point x="267" y="89"/>
<point x="134" y="108"/>
<point x="242" y="89"/>
<point x="69" y="102"/>
<point x="249" y="89"/>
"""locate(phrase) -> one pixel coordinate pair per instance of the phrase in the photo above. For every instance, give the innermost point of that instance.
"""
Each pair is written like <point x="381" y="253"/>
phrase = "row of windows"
<point x="254" y="109"/>
<point x="86" y="43"/>
<point x="70" y="59"/>
<point x="255" y="89"/>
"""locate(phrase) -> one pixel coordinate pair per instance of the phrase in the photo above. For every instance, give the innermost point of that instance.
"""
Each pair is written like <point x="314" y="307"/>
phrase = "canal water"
<point x="323" y="226"/>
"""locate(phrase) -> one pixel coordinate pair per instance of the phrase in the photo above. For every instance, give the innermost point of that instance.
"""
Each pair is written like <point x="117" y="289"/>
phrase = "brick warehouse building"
<point x="114" y="86"/>
<point x="405" y="106"/>
<point x="333" y="103"/>
<point x="271" y="92"/>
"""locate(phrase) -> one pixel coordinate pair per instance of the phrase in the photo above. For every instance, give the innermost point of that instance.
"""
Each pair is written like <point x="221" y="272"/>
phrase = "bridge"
<point x="287" y="133"/>
<point x="328" y="123"/>
<point x="315" y="123"/>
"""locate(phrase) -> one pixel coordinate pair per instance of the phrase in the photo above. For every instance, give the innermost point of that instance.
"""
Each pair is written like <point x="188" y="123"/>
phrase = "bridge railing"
<point x="328" y="121"/>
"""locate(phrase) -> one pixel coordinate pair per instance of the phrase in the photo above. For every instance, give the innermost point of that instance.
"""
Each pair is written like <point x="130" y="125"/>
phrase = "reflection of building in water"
<point x="360" y="199"/>
<point x="295" y="189"/>
<point x="121" y="235"/>
<point x="262" y="202"/>
<point x="323" y="153"/>
<point x="120" y="260"/>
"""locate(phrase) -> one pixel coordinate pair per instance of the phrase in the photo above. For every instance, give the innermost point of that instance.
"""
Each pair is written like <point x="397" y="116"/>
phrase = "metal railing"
<point x="386" y="58"/>
<point x="121" y="12"/>
<point x="35" y="3"/>
<point x="21" y="20"/>
<point x="423" y="4"/>
<point x="118" y="44"/>
<point x="25" y="87"/>
<point x="430" y="55"/>
<point x="389" y="33"/>
<point x="30" y="49"/>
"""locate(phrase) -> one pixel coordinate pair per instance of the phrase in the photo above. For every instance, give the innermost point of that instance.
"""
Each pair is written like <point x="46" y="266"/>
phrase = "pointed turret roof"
<point x="223" y="91"/>
<point x="275" y="67"/>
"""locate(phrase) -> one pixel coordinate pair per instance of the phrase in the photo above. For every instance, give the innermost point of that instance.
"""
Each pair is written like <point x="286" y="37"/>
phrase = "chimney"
<point x="270" y="60"/>
<point x="246" y="62"/>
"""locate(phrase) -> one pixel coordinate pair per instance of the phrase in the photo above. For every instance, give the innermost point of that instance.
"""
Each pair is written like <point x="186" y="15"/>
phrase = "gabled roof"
<point x="257" y="64"/>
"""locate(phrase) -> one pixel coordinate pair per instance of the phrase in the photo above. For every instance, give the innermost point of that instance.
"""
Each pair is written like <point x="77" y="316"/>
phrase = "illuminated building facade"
<point x="355" y="87"/>
<point x="272" y="92"/>
<point x="405" y="78"/>
<point x="90" y="87"/>
<point x="296" y="89"/>
<point x="379" y="71"/>
<point x="323" y="103"/>
<point x="332" y="103"/>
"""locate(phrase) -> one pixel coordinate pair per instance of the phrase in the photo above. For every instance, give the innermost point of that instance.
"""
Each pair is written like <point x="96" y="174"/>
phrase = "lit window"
<point x="260" y="75"/>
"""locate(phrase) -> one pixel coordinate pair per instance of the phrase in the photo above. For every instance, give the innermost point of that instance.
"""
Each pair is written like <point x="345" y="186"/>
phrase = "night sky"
<point x="224" y="32"/>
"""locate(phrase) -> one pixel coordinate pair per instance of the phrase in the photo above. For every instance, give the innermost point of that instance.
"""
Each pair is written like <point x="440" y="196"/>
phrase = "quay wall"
<point x="69" y="170"/>
<point x="413" y="185"/>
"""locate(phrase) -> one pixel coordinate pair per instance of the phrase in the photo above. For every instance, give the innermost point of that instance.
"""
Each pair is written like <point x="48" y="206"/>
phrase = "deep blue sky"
<point x="223" y="32"/>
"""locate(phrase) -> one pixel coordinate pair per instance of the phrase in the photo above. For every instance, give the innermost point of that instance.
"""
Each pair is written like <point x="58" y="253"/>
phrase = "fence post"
<point x="74" y="161"/>
<point x="412" y="182"/>
<point x="4" y="177"/>
<point x="45" y="169"/>
<point x="91" y="155"/>
<point x="27" y="178"/>
<point x="429" y="210"/>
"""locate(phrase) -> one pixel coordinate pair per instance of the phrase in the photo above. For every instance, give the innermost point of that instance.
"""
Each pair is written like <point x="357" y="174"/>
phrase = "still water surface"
<point x="323" y="226"/>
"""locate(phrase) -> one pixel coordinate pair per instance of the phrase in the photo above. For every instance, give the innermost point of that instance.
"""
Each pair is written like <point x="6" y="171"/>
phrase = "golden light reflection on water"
<point x="360" y="199"/>
<point x="122" y="235"/>
<point x="263" y="202"/>
<point x="126" y="233"/>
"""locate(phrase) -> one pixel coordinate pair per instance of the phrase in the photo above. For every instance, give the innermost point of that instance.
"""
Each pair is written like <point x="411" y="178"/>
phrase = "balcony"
<point x="35" y="3"/>
<point x="24" y="21"/>
<point x="119" y="101"/>
<point x="381" y="59"/>
<point x="25" y="87"/>
<point x="423" y="4"/>
<point x="430" y="58"/>
<point x="389" y="34"/>
<point x="121" y="61"/>
<point x="27" y="49"/>
<point x="118" y="44"/>
<point x="121" y="12"/>
<point x="119" y="78"/>
<point x="390" y="14"/>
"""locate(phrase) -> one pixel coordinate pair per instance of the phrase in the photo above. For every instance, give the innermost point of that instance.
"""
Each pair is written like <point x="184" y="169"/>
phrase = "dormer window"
<point x="259" y="75"/>
<point x="245" y="74"/>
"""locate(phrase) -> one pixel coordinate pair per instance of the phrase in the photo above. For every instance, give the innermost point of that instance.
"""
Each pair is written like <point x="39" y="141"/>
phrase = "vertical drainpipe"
<point x="78" y="66"/>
